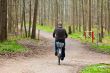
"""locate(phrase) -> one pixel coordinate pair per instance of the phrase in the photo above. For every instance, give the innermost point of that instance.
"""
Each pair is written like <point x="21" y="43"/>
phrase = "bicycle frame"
<point x="59" y="50"/>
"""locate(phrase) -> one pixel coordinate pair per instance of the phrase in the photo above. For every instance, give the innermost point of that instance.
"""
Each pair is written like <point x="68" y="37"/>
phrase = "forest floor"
<point x="78" y="55"/>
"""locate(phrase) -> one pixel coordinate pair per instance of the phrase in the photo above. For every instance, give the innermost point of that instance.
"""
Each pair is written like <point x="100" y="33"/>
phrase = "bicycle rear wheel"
<point x="58" y="60"/>
<point x="59" y="56"/>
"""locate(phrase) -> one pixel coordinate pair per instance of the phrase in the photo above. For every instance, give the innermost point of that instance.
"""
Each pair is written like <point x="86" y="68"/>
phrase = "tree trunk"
<point x="56" y="13"/>
<point x="73" y="16"/>
<point x="3" y="20"/>
<point x="16" y="21"/>
<point x="90" y="17"/>
<point x="24" y="19"/>
<point x="102" y="32"/>
<point x="29" y="33"/>
<point x="69" y="30"/>
<point x="10" y="20"/>
<point x="109" y="17"/>
<point x="33" y="36"/>
<point x="83" y="11"/>
<point x="77" y="22"/>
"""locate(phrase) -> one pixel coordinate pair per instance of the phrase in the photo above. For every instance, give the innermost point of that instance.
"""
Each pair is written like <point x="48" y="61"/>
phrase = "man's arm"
<point x="66" y="34"/>
<point x="54" y="33"/>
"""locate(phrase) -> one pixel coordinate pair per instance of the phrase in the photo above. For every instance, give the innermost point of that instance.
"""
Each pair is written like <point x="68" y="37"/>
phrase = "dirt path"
<point x="77" y="56"/>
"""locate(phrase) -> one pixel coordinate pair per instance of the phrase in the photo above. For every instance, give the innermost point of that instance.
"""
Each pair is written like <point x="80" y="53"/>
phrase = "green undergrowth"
<point x="101" y="48"/>
<point x="45" y="28"/>
<point x="78" y="35"/>
<point x="98" y="68"/>
<point x="11" y="46"/>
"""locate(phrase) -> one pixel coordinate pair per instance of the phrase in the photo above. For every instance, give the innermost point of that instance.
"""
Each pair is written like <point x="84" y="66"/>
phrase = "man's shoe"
<point x="55" y="53"/>
<point x="62" y="58"/>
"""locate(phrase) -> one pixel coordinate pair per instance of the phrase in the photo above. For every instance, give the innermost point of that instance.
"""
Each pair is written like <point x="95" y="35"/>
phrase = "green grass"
<point x="106" y="40"/>
<point x="78" y="35"/>
<point x="45" y="28"/>
<point x="101" y="47"/>
<point x="11" y="46"/>
<point x="98" y="68"/>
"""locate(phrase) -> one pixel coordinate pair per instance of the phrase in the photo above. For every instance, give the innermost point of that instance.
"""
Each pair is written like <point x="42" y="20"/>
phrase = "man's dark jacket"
<point x="60" y="33"/>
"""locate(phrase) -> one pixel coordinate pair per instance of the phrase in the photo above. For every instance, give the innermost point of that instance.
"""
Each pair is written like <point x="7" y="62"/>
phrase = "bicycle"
<point x="59" y="50"/>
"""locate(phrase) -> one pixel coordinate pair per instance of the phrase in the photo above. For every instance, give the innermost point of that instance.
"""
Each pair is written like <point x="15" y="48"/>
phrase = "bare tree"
<point x="102" y="32"/>
<point x="33" y="36"/>
<point x="24" y="18"/>
<point x="3" y="20"/>
<point x="56" y="12"/>
<point x="109" y="16"/>
<point x="30" y="13"/>
<point x="90" y="25"/>
<point x="83" y="11"/>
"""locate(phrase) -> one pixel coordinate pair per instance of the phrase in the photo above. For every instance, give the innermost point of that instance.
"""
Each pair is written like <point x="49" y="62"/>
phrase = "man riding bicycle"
<point x="60" y="35"/>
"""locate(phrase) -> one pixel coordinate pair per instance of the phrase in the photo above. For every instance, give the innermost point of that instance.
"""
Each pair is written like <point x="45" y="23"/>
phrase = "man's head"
<point x="60" y="25"/>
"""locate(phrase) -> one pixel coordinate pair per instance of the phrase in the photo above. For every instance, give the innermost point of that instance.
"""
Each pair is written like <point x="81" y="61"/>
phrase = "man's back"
<point x="60" y="33"/>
